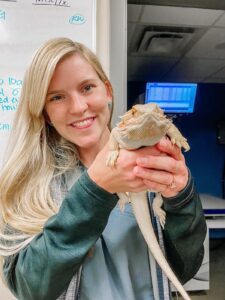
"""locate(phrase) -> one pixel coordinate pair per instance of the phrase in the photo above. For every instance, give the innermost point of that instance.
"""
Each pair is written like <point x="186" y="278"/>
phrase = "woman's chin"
<point x="87" y="144"/>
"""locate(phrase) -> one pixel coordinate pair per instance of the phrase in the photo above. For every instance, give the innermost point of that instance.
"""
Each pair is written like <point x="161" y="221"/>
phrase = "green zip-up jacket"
<point x="43" y="270"/>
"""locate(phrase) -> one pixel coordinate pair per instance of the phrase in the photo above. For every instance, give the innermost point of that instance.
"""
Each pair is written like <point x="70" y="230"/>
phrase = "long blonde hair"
<point x="37" y="152"/>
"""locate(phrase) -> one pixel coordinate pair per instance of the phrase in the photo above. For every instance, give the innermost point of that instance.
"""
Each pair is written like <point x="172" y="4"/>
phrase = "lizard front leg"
<point x="113" y="150"/>
<point x="177" y="138"/>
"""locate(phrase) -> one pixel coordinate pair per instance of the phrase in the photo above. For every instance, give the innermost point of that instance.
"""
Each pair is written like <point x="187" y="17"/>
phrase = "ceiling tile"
<point x="186" y="16"/>
<point x="214" y="80"/>
<point x="133" y="12"/>
<point x="198" y="68"/>
<point x="220" y="73"/>
<point x="145" y="68"/>
<point x="221" y="21"/>
<point x="211" y="45"/>
<point x="130" y="32"/>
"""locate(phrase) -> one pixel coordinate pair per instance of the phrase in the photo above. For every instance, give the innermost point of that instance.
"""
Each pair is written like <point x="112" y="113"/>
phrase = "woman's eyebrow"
<point x="88" y="80"/>
<point x="54" y="92"/>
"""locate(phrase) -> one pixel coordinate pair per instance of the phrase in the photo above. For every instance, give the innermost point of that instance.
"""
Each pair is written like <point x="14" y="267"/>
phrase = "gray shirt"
<point x="119" y="265"/>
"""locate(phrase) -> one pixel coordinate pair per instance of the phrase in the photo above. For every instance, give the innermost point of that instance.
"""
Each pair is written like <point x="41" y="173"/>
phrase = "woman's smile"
<point x="83" y="124"/>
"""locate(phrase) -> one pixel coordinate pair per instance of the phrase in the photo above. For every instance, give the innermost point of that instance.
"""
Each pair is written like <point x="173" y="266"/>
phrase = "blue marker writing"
<point x="77" y="19"/>
<point x="2" y="15"/>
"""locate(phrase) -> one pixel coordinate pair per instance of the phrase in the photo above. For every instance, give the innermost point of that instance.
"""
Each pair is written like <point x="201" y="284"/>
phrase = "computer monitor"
<point x="172" y="97"/>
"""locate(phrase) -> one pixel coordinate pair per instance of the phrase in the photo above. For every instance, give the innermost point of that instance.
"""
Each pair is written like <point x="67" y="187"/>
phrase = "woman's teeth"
<point x="83" y="123"/>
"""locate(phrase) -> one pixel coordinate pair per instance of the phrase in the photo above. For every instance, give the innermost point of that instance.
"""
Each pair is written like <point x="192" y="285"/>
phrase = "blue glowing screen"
<point x="172" y="97"/>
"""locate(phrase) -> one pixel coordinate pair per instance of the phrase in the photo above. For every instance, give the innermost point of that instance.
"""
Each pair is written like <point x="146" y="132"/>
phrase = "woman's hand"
<point x="167" y="174"/>
<point x="121" y="177"/>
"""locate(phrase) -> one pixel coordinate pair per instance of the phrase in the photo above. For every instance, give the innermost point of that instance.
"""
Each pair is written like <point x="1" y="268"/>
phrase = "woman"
<point x="62" y="235"/>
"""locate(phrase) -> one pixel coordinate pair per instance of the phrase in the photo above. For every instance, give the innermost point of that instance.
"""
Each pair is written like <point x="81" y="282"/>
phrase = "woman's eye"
<point x="88" y="88"/>
<point x="56" y="98"/>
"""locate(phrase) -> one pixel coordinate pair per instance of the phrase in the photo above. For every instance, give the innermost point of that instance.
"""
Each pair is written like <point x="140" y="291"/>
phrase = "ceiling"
<point x="176" y="43"/>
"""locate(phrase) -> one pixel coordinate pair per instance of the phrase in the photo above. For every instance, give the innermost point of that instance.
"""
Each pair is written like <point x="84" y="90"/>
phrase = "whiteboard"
<point x="24" y="26"/>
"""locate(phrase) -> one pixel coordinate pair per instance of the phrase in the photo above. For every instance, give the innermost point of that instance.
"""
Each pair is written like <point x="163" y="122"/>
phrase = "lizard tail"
<point x="140" y="207"/>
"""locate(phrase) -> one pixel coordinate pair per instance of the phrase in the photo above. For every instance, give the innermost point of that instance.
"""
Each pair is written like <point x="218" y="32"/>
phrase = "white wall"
<point x="112" y="49"/>
<point x="118" y="55"/>
<point x="103" y="52"/>
<point x="103" y="34"/>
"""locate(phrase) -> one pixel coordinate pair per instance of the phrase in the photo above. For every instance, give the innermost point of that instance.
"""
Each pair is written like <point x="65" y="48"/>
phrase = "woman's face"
<point x="77" y="103"/>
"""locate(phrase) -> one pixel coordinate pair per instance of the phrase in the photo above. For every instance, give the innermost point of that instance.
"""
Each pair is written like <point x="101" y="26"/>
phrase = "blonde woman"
<point x="58" y="198"/>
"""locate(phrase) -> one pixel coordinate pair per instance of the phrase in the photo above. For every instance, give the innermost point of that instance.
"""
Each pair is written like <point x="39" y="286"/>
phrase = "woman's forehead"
<point x="75" y="69"/>
<point x="74" y="62"/>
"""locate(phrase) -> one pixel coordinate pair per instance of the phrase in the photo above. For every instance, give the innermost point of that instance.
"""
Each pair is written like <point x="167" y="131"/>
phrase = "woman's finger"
<point x="165" y="145"/>
<point x="162" y="173"/>
<point x="158" y="176"/>
<point x="164" y="163"/>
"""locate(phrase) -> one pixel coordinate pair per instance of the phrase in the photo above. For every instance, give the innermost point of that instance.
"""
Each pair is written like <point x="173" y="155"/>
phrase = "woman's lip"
<point x="84" y="123"/>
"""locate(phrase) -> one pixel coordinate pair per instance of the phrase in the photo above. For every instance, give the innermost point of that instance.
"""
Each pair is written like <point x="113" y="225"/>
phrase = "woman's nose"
<point x="78" y="104"/>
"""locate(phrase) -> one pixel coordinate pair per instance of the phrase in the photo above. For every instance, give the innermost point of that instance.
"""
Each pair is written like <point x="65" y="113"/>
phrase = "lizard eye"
<point x="133" y="110"/>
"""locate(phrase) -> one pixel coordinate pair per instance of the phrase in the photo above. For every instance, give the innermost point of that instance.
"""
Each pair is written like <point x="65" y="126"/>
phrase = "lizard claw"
<point x="161" y="215"/>
<point x="158" y="211"/>
<point x="185" y="145"/>
<point x="112" y="158"/>
<point x="124" y="198"/>
<point x="178" y="144"/>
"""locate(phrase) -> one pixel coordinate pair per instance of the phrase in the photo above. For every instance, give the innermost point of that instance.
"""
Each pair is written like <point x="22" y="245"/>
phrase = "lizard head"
<point x="151" y="108"/>
<point x="144" y="122"/>
<point x="139" y="111"/>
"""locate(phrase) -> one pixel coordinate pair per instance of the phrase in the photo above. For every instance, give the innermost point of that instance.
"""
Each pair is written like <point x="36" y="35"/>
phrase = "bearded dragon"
<point x="145" y="125"/>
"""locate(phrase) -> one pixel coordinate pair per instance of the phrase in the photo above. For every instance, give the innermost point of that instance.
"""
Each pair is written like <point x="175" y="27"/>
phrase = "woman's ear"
<point x="109" y="89"/>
